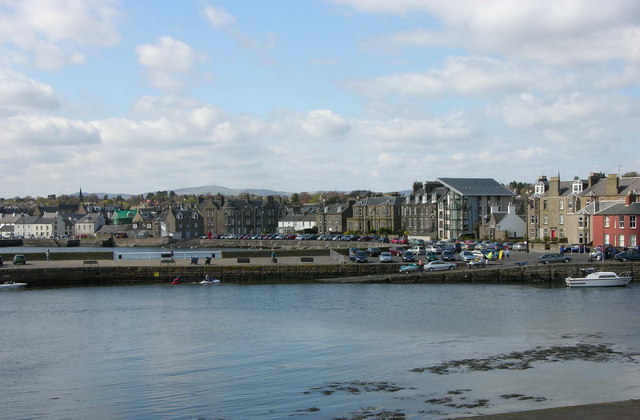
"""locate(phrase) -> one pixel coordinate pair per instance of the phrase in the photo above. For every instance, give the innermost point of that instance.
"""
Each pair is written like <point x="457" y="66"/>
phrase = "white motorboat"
<point x="599" y="279"/>
<point x="11" y="285"/>
<point x="209" y="280"/>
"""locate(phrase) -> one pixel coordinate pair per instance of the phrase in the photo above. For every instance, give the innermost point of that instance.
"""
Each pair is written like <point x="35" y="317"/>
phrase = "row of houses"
<point x="598" y="209"/>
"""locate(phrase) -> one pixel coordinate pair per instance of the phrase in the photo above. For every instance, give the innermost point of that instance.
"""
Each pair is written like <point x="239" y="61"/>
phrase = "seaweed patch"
<point x="355" y="387"/>
<point x="523" y="360"/>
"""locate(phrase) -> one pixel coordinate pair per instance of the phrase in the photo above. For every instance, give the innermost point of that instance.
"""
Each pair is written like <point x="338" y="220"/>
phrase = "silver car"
<point x="385" y="257"/>
<point x="553" y="258"/>
<point x="438" y="265"/>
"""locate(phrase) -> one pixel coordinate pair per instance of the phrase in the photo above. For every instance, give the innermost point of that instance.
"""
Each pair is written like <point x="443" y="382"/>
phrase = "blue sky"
<point x="305" y="95"/>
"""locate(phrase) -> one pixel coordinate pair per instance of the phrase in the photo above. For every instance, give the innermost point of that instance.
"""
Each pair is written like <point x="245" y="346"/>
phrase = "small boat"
<point x="208" y="280"/>
<point x="592" y="278"/>
<point x="11" y="285"/>
<point x="176" y="280"/>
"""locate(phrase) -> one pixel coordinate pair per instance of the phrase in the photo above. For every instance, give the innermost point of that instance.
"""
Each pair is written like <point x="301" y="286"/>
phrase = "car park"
<point x="439" y="265"/>
<point x="385" y="257"/>
<point x="553" y="258"/>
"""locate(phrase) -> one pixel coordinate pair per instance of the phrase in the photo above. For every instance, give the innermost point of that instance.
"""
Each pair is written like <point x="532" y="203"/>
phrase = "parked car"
<point x="385" y="257"/>
<point x="576" y="248"/>
<point x="467" y="256"/>
<point x="418" y="250"/>
<point x="628" y="256"/>
<point x="397" y="250"/>
<point x="448" y="256"/>
<point x="430" y="256"/>
<point x="373" y="251"/>
<point x="409" y="268"/>
<point x="19" y="259"/>
<point x="439" y="265"/>
<point x="361" y="257"/>
<point x="553" y="258"/>
<point x="352" y="253"/>
<point x="408" y="256"/>
<point x="519" y="246"/>
<point x="402" y="241"/>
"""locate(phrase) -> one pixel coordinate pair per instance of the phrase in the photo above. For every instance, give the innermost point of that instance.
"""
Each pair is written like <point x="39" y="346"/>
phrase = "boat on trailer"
<point x="593" y="278"/>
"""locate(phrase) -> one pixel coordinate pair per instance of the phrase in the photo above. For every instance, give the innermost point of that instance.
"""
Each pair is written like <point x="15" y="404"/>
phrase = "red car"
<point x="397" y="250"/>
<point x="399" y="241"/>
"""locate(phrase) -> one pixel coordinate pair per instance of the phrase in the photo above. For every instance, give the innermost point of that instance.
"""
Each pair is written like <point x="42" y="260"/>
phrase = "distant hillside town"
<point x="599" y="209"/>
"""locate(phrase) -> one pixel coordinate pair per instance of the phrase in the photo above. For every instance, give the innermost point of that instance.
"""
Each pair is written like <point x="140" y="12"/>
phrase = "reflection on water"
<point x="313" y="351"/>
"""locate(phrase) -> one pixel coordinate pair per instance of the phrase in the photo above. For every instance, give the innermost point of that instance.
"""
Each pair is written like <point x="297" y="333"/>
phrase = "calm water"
<point x="311" y="351"/>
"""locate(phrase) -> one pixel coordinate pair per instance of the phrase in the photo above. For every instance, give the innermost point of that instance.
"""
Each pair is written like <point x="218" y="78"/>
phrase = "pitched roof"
<point x="620" y="209"/>
<point x="625" y="185"/>
<point x="476" y="186"/>
<point x="381" y="201"/>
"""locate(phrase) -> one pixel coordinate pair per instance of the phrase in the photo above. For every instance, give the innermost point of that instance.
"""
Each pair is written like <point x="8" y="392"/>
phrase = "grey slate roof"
<point x="625" y="186"/>
<point x="620" y="209"/>
<point x="476" y="186"/>
<point x="381" y="201"/>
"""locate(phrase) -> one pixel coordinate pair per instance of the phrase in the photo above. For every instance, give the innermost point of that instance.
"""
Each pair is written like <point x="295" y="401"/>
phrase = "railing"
<point x="178" y="255"/>
<point x="338" y="257"/>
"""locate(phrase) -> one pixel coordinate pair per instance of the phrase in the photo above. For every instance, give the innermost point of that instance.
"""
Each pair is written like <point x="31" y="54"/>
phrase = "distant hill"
<point x="217" y="189"/>
<point x="204" y="190"/>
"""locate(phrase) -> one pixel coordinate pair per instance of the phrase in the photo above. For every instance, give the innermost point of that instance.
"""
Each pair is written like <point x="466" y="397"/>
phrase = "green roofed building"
<point x="123" y="217"/>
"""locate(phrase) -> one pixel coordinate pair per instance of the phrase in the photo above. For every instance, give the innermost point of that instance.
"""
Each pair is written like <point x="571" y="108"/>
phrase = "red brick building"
<point x="618" y="225"/>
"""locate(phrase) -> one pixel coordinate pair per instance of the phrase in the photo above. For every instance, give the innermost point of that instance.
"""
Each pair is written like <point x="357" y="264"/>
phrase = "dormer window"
<point x="539" y="188"/>
<point x="194" y="215"/>
<point x="179" y="216"/>
<point x="576" y="187"/>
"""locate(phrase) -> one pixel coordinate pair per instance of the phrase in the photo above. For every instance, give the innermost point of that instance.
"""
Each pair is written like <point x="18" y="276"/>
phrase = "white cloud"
<point x="557" y="31"/>
<point x="51" y="33"/>
<point x="19" y="93"/>
<point x="167" y="62"/>
<point x="466" y="76"/>
<point x="218" y="17"/>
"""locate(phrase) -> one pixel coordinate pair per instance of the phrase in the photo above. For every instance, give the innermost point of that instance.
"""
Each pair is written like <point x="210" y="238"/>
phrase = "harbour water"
<point x="313" y="351"/>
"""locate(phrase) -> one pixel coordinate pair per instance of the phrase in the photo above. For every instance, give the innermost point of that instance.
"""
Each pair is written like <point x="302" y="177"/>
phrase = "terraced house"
<point x="375" y="213"/>
<point x="563" y="209"/>
<point x="228" y="216"/>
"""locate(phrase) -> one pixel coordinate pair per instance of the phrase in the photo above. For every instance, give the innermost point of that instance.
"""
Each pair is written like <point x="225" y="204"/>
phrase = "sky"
<point x="141" y="96"/>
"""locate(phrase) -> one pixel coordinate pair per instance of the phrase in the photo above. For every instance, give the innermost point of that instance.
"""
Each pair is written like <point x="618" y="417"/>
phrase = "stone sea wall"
<point x="552" y="275"/>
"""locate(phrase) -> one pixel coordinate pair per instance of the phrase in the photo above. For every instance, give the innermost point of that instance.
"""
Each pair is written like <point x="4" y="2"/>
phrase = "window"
<point x="561" y="219"/>
<point x="607" y="239"/>
<point x="534" y="219"/>
<point x="539" y="188"/>
<point x="561" y="204"/>
<point x="580" y="222"/>
<point x="576" y="187"/>
<point x="621" y="240"/>
<point x="545" y="219"/>
<point x="632" y="222"/>
<point x="606" y="223"/>
<point x="621" y="222"/>
<point x="633" y="240"/>
<point x="544" y="204"/>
